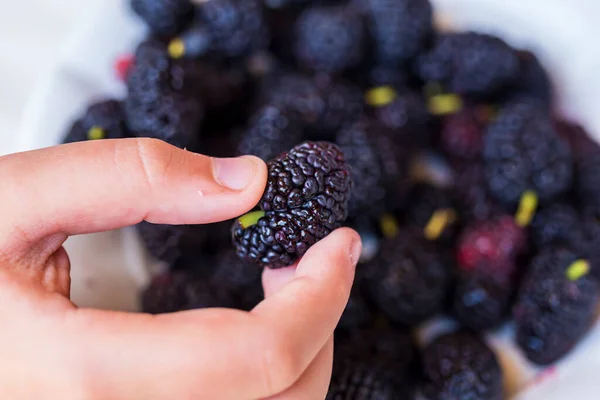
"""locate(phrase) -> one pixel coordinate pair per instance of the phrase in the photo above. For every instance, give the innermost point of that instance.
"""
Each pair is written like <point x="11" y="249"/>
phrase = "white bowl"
<point x="109" y="268"/>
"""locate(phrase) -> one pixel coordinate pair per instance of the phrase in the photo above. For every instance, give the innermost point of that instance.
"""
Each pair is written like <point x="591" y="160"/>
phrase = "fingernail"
<point x="234" y="173"/>
<point x="355" y="251"/>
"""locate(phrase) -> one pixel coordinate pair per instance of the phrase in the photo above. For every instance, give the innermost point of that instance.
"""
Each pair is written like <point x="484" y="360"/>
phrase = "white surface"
<point x="562" y="34"/>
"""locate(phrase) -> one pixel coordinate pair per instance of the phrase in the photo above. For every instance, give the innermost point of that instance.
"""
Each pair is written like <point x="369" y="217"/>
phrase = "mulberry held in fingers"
<point x="469" y="63"/>
<point x="306" y="199"/>
<point x="461" y="366"/>
<point x="104" y="120"/>
<point x="523" y="152"/>
<point x="556" y="305"/>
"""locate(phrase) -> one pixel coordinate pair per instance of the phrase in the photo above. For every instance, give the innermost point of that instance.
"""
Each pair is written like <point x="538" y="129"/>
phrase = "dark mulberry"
<point x="329" y="38"/>
<point x="480" y="301"/>
<point x="400" y="28"/>
<point x="524" y="153"/>
<point x="461" y="135"/>
<point x="472" y="194"/>
<point x="164" y="17"/>
<point x="156" y="105"/>
<point x="103" y="120"/>
<point x="461" y="366"/>
<point x="379" y="168"/>
<point x="227" y="28"/>
<point x="556" y="305"/>
<point x="408" y="280"/>
<point x="306" y="199"/>
<point x="180" y="291"/>
<point x="323" y="104"/>
<point x="469" y="63"/>
<point x="272" y="130"/>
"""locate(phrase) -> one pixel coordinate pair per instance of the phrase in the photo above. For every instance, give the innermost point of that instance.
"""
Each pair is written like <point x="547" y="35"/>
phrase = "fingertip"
<point x="275" y="279"/>
<point x="341" y="249"/>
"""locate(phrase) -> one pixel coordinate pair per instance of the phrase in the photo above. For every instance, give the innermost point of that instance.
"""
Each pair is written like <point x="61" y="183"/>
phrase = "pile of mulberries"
<point x="474" y="200"/>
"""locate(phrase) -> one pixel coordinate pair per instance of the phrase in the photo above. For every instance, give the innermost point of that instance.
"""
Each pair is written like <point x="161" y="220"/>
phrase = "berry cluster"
<point x="472" y="198"/>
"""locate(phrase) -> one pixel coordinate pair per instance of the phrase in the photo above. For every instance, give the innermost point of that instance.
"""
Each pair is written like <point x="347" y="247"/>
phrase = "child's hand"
<point x="52" y="349"/>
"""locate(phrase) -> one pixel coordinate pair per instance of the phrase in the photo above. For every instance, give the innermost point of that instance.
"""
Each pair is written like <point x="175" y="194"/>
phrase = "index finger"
<point x="224" y="353"/>
<point x="102" y="185"/>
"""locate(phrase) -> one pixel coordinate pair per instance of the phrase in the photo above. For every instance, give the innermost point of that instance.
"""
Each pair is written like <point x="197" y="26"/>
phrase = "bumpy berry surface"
<point x="461" y="135"/>
<point x="461" y="366"/>
<point x="306" y="198"/>
<point x="553" y="312"/>
<point x="182" y="290"/>
<point x="353" y="380"/>
<point x="156" y="105"/>
<point x="523" y="152"/>
<point x="491" y="247"/>
<point x="423" y="201"/>
<point x="164" y="17"/>
<point x="408" y="280"/>
<point x="379" y="167"/>
<point x="556" y="224"/>
<point x="472" y="194"/>
<point x="329" y="38"/>
<point x="323" y="104"/>
<point x="480" y="301"/>
<point x="400" y="28"/>
<point x="390" y="352"/>
<point x="469" y="63"/>
<point x="106" y="115"/>
<point x="272" y="130"/>
<point x="234" y="28"/>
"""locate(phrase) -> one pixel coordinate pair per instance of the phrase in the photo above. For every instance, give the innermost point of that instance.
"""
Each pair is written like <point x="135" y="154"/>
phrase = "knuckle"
<point x="281" y="364"/>
<point x="152" y="158"/>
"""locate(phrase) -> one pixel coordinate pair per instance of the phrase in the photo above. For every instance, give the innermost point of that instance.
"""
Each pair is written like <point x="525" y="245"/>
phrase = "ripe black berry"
<point x="556" y="305"/>
<point x="322" y="104"/>
<point x="156" y="105"/>
<point x="556" y="224"/>
<point x="225" y="28"/>
<point x="272" y="130"/>
<point x="472" y="194"/>
<point x="164" y="17"/>
<point x="103" y="120"/>
<point x="306" y="199"/>
<point x="461" y="366"/>
<point x="182" y="290"/>
<point x="399" y="28"/>
<point x="469" y="63"/>
<point x="408" y="280"/>
<point x="329" y="38"/>
<point x="523" y="152"/>
<point x="481" y="302"/>
<point x="379" y="167"/>
<point x="461" y="135"/>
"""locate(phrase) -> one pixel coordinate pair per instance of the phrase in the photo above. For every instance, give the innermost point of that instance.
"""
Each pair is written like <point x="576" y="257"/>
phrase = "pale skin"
<point x="50" y="348"/>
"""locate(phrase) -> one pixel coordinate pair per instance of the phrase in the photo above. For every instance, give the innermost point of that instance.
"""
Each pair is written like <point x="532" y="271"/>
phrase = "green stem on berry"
<point x="527" y="208"/>
<point x="389" y="226"/>
<point x="438" y="223"/>
<point x="380" y="96"/>
<point x="250" y="219"/>
<point x="578" y="270"/>
<point x="96" y="133"/>
<point x="445" y="104"/>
